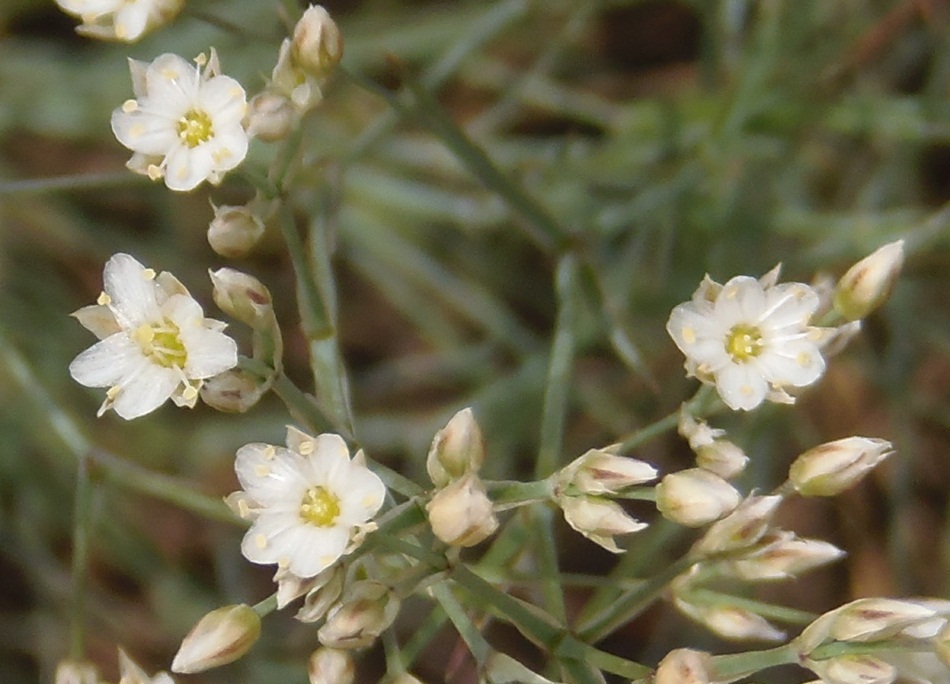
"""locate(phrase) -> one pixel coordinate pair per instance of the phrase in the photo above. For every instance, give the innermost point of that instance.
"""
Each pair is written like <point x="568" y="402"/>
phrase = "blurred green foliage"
<point x="667" y="139"/>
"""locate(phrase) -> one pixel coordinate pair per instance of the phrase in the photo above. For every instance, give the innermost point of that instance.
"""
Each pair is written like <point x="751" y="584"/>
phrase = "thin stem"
<point x="698" y="406"/>
<point x="422" y="635"/>
<point x="394" y="656"/>
<point x="766" y="610"/>
<point x="82" y="522"/>
<point x="477" y="645"/>
<point x="85" y="181"/>
<point x="266" y="606"/>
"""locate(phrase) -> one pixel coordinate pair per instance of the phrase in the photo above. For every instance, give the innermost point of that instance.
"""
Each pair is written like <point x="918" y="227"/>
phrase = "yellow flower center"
<point x="162" y="344"/>
<point x="319" y="507"/>
<point x="744" y="342"/>
<point x="195" y="128"/>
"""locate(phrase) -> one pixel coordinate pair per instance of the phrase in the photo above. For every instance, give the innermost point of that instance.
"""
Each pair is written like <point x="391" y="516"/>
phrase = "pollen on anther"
<point x="270" y="452"/>
<point x="103" y="299"/>
<point x="243" y="509"/>
<point x="189" y="393"/>
<point x="130" y="106"/>
<point x="113" y="392"/>
<point x="154" y="172"/>
<point x="306" y="448"/>
<point x="260" y="541"/>
<point x="148" y="274"/>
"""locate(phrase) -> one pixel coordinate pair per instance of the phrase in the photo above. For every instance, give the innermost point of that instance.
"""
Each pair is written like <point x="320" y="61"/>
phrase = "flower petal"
<point x="146" y="392"/>
<point x="741" y="386"/>
<point x="107" y="362"/>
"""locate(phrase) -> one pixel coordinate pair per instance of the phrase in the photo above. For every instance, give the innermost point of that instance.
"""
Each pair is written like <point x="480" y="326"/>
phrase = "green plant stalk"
<point x="326" y="362"/>
<point x="580" y="672"/>
<point x="84" y="181"/>
<point x="477" y="645"/>
<point x="545" y="552"/>
<point x="423" y="634"/>
<point x="82" y="522"/>
<point x="630" y="604"/>
<point x="121" y="472"/>
<point x="766" y="610"/>
<point x="395" y="664"/>
<point x="266" y="606"/>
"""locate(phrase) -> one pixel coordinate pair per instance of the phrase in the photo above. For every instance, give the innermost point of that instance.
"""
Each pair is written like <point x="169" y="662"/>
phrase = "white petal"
<point x="209" y="353"/>
<point x="271" y="538"/>
<point x="150" y="389"/>
<point x="131" y="291"/>
<point x="228" y="148"/>
<point x="271" y="475"/>
<point x="224" y="99"/>
<point x="186" y="167"/>
<point x="131" y="20"/>
<point x="97" y="319"/>
<point x="172" y="83"/>
<point x="107" y="362"/>
<point x="741" y="386"/>
<point x="790" y="305"/>
<point x="144" y="132"/>
<point x="797" y="365"/>
<point x="363" y="497"/>
<point x="317" y="549"/>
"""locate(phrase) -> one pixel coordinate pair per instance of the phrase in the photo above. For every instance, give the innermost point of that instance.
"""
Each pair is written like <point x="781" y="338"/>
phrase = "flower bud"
<point x="832" y="468"/>
<point x="367" y="610"/>
<point x="220" y="637"/>
<point x="743" y="527"/>
<point x="721" y="457"/>
<point x="730" y="622"/>
<point x="76" y="672"/>
<point x="457" y="449"/>
<point x="234" y="230"/>
<point x="598" y="519"/>
<point x="783" y="558"/>
<point x="683" y="666"/>
<point x="271" y="116"/>
<point x="695" y="497"/>
<point x="853" y="669"/>
<point x="322" y="594"/>
<point x="868" y="283"/>
<point x="234" y="391"/>
<point x="941" y="646"/>
<point x="317" y="43"/>
<point x="243" y="297"/>
<point x="331" y="666"/>
<point x="600" y="472"/>
<point x="461" y="514"/>
<point x="875" y="619"/>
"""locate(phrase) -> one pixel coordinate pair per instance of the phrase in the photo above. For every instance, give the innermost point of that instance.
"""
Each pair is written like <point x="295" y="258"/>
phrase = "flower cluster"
<point x="125" y="20"/>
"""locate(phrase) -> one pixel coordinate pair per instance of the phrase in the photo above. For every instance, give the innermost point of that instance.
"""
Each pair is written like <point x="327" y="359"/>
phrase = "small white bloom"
<point x="310" y="501"/>
<point x="185" y="123"/>
<point x="155" y="342"/>
<point x="126" y="20"/>
<point x="750" y="340"/>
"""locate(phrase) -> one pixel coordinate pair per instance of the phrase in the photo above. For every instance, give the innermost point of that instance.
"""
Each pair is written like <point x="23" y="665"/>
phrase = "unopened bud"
<point x="323" y="594"/>
<point x="695" y="497"/>
<point x="457" y="449"/>
<point x="785" y="557"/>
<point x="868" y="283"/>
<point x="875" y="619"/>
<point x="683" y="666"/>
<point x="461" y="514"/>
<point x="722" y="457"/>
<point x="317" y="42"/>
<point x="220" y="637"/>
<point x="600" y="472"/>
<point x="731" y="622"/>
<point x="234" y="391"/>
<point x="243" y="297"/>
<point x="743" y="527"/>
<point x="235" y="230"/>
<point x="599" y="519"/>
<point x="331" y="666"/>
<point x="367" y="610"/>
<point x="941" y="645"/>
<point x="853" y="669"/>
<point x="832" y="468"/>
<point x="76" y="672"/>
<point x="270" y="117"/>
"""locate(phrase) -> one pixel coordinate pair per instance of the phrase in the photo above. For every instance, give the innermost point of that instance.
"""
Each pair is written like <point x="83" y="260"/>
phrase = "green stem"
<point x="82" y="522"/>
<point x="735" y="666"/>
<point x="701" y="404"/>
<point x="422" y="635"/>
<point x="85" y="181"/>
<point x="766" y="610"/>
<point x="463" y="624"/>
<point x="557" y="388"/>
<point x="509" y="494"/>
<point x="549" y="572"/>
<point x="266" y="606"/>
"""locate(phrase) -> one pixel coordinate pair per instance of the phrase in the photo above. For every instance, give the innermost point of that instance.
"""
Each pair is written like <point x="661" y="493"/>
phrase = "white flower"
<point x="155" y="342"/>
<point x="126" y="20"/>
<point x="750" y="339"/>
<point x="185" y="124"/>
<point x="310" y="502"/>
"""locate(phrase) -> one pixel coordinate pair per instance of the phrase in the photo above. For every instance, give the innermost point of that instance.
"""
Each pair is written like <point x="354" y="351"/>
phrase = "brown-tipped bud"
<point x="786" y="556"/>
<point x="683" y="666"/>
<point x="457" y="449"/>
<point x="875" y="619"/>
<point x="317" y="45"/>
<point x="731" y="622"/>
<point x="832" y="468"/>
<point x="76" y="672"/>
<point x="220" y="637"/>
<point x="323" y="594"/>
<point x="599" y="519"/>
<point x="461" y="514"/>
<point x="743" y="527"/>
<point x="367" y="610"/>
<point x="601" y="472"/>
<point x="235" y="230"/>
<point x="271" y="116"/>
<point x="234" y="391"/>
<point x="243" y="297"/>
<point x="868" y="283"/>
<point x="695" y="497"/>
<point x="853" y="669"/>
<point x="331" y="666"/>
